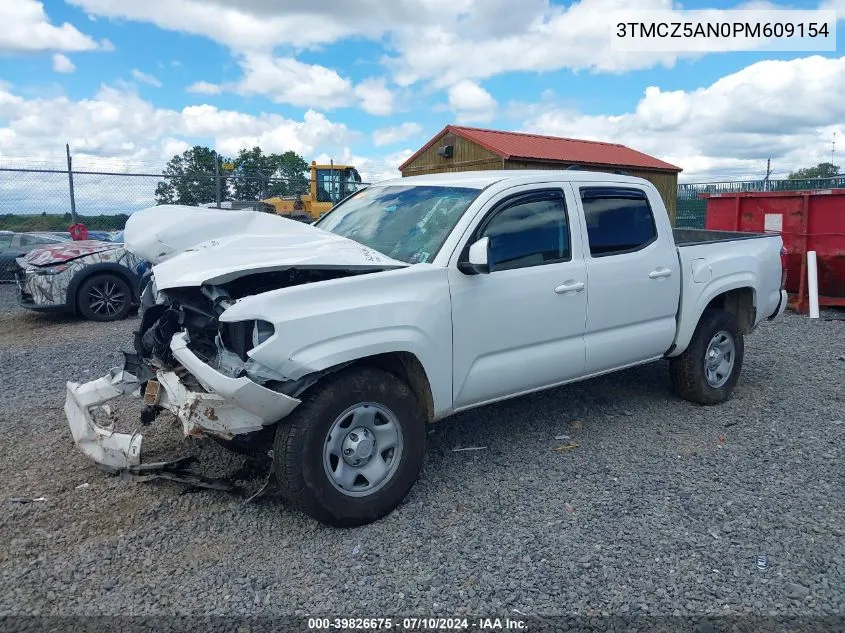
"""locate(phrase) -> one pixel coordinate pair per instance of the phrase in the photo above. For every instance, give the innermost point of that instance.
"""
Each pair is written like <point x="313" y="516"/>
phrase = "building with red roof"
<point x="459" y="148"/>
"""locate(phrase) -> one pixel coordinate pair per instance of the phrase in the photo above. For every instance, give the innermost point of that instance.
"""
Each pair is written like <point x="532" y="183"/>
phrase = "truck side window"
<point x="530" y="231"/>
<point x="618" y="220"/>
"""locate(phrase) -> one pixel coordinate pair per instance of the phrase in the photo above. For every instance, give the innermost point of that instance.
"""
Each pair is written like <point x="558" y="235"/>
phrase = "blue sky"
<point x="130" y="82"/>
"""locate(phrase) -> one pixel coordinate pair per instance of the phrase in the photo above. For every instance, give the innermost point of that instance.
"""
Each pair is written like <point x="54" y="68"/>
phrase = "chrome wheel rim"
<point x="363" y="449"/>
<point x="719" y="359"/>
<point x="106" y="298"/>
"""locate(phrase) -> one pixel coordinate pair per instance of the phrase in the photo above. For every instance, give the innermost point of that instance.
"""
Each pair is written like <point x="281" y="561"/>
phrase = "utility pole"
<point x="73" y="217"/>
<point x="768" y="173"/>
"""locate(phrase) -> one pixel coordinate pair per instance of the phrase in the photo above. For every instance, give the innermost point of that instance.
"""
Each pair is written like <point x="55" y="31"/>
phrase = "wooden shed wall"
<point x="468" y="156"/>
<point x="666" y="183"/>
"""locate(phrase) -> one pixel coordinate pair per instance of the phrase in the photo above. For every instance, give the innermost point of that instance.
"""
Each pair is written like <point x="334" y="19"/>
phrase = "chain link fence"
<point x="45" y="199"/>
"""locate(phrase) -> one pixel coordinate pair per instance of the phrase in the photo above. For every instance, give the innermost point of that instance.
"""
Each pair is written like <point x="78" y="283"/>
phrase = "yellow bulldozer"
<point x="329" y="185"/>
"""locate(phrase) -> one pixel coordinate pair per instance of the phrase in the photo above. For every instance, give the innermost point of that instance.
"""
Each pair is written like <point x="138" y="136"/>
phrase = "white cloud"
<point x="287" y="80"/>
<point x="172" y="146"/>
<point x="470" y="102"/>
<point x="391" y="135"/>
<point x="437" y="41"/>
<point x="376" y="98"/>
<point x="145" y="78"/>
<point x="729" y="128"/>
<point x="119" y="129"/>
<point x="204" y="88"/>
<point x="259" y="25"/>
<point x="271" y="132"/>
<point x="61" y="64"/>
<point x="27" y="28"/>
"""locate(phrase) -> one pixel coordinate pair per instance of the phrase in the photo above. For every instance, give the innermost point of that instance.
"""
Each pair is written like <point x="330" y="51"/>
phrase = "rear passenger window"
<point x="618" y="220"/>
<point x="530" y="231"/>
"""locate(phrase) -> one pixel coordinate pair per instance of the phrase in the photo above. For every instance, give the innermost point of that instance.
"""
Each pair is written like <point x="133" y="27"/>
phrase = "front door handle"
<point x="570" y="286"/>
<point x="660" y="272"/>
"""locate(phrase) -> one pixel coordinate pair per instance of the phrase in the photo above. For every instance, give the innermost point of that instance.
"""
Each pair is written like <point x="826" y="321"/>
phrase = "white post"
<point x="813" y="284"/>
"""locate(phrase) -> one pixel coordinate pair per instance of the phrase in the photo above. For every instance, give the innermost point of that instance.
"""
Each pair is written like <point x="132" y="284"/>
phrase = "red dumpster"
<point x="812" y="220"/>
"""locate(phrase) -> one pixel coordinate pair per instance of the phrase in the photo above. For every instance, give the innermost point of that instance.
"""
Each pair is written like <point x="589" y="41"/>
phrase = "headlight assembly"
<point x="52" y="270"/>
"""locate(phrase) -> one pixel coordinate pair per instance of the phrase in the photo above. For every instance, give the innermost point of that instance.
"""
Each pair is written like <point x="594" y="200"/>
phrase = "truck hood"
<point x="193" y="246"/>
<point x="66" y="251"/>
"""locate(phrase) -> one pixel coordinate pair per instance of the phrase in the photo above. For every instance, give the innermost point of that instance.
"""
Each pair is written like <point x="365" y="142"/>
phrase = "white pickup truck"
<point x="335" y="344"/>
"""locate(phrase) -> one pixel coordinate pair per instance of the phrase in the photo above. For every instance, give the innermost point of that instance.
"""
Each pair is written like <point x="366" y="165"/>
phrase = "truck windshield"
<point x="408" y="223"/>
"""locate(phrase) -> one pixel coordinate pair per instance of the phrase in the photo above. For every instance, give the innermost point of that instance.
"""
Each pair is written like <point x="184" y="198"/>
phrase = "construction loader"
<point x="329" y="185"/>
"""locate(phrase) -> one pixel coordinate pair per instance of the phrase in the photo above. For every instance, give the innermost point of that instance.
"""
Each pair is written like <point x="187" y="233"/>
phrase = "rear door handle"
<point x="660" y="272"/>
<point x="570" y="286"/>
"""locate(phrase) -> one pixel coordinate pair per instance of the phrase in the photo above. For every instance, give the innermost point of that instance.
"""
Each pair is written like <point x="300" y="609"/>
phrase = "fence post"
<point x="73" y="217"/>
<point x="217" y="177"/>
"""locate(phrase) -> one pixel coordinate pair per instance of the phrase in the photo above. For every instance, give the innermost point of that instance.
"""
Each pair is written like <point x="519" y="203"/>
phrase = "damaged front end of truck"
<point x="190" y="362"/>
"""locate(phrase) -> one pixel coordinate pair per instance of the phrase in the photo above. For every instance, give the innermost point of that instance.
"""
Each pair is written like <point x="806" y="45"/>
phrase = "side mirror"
<point x="479" y="256"/>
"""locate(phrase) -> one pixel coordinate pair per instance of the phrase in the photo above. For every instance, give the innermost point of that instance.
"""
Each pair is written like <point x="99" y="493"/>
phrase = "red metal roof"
<point x="550" y="148"/>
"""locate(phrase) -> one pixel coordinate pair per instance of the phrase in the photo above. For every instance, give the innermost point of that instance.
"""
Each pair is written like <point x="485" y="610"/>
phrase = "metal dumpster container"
<point x="812" y="220"/>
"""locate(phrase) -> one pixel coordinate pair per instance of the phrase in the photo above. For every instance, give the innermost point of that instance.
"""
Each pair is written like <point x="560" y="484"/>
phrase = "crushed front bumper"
<point x="221" y="406"/>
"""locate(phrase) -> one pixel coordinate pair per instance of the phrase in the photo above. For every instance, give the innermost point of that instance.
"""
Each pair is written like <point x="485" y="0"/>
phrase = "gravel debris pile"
<point x="662" y="507"/>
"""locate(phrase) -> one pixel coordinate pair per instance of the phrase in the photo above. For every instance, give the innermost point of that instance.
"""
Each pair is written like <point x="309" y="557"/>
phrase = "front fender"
<point x="353" y="346"/>
<point x="328" y="323"/>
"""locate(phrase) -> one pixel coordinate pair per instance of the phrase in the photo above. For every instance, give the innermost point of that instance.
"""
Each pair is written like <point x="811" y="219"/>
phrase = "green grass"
<point x="44" y="222"/>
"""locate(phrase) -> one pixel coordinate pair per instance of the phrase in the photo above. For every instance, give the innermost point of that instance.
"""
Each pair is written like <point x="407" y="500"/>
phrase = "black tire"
<point x="89" y="298"/>
<point x="301" y="438"/>
<point x="257" y="444"/>
<point x="689" y="377"/>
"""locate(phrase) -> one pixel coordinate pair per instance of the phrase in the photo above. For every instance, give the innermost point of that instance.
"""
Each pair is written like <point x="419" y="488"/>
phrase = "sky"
<point x="130" y="83"/>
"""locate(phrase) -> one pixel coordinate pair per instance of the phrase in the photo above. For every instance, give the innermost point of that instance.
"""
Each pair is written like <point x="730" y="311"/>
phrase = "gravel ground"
<point x="662" y="509"/>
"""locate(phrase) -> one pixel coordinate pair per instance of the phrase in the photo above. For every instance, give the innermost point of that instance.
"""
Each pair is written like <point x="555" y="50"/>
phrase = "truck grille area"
<point x="186" y="309"/>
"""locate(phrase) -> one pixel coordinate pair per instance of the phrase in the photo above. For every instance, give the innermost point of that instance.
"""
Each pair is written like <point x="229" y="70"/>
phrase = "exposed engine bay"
<point x="187" y="359"/>
<point x="222" y="346"/>
<point x="189" y="362"/>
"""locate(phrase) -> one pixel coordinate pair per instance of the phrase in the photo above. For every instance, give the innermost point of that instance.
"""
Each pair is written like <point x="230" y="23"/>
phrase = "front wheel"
<point x="708" y="370"/>
<point x="350" y="453"/>
<point x="104" y="298"/>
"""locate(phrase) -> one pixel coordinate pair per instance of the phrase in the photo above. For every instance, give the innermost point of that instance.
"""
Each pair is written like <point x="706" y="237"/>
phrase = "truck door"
<point x="633" y="275"/>
<point x="520" y="327"/>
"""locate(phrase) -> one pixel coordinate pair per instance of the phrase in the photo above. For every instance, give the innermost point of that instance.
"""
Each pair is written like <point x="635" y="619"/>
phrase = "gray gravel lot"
<point x="663" y="507"/>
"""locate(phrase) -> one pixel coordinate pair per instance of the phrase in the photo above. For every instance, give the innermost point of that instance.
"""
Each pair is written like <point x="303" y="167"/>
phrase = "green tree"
<point x="189" y="178"/>
<point x="252" y="173"/>
<point x="260" y="175"/>
<point x="822" y="170"/>
<point x="291" y="169"/>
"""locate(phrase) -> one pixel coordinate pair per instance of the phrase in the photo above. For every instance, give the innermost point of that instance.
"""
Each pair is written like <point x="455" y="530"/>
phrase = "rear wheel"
<point x="104" y="298"/>
<point x="350" y="453"/>
<point x="709" y="368"/>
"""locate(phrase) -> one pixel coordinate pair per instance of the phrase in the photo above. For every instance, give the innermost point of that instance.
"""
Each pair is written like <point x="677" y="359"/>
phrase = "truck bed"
<point x="692" y="237"/>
